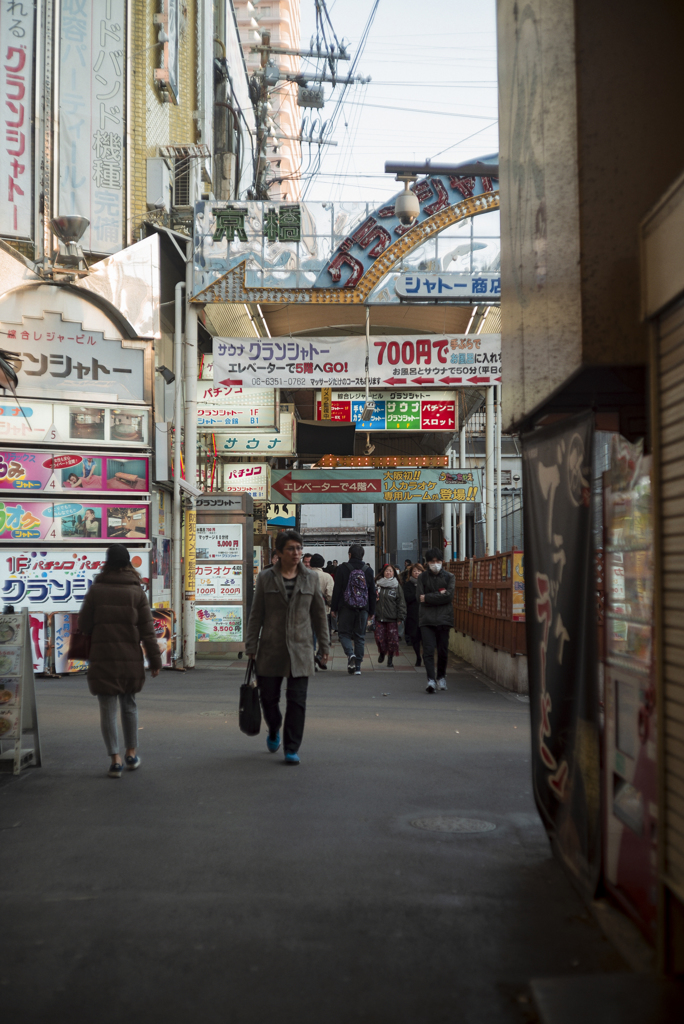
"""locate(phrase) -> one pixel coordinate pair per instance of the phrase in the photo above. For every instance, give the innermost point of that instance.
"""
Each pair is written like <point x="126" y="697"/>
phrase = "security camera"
<point x="406" y="207"/>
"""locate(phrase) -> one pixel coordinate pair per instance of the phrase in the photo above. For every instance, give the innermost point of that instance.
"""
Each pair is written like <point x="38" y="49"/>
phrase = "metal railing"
<point x="489" y="600"/>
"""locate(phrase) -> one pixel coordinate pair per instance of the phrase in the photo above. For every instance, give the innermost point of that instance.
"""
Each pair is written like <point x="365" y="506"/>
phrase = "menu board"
<point x="218" y="542"/>
<point x="40" y="421"/>
<point x="18" y="713"/>
<point x="218" y="582"/>
<point x="72" y="472"/>
<point x="26" y="519"/>
<point x="218" y="623"/>
<point x="394" y="410"/>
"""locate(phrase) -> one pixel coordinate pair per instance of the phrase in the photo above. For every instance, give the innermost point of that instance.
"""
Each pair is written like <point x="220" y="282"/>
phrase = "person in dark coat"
<point x="117" y="617"/>
<point x="390" y="610"/>
<point x="435" y="589"/>
<point x="412" y="627"/>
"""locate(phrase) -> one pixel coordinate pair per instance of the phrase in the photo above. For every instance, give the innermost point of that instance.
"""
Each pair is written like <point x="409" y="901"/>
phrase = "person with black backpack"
<point x="353" y="601"/>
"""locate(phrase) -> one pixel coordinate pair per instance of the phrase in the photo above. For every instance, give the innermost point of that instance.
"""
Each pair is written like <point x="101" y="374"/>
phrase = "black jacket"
<point x="342" y="578"/>
<point x="437" y="609"/>
<point x="412" y="627"/>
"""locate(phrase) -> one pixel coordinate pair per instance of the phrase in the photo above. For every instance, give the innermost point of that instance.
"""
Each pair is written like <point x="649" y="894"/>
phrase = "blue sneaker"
<point x="292" y="759"/>
<point x="115" y="771"/>
<point x="132" y="762"/>
<point x="273" y="745"/>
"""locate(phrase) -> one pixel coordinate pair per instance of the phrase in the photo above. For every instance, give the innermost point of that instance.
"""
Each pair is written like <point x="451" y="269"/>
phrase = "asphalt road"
<point x="217" y="885"/>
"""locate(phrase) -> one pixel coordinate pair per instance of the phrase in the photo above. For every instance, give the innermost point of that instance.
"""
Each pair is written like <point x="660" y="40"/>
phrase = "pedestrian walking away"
<point x="353" y="601"/>
<point x="288" y="608"/>
<point x="435" y="589"/>
<point x="117" y="617"/>
<point x="412" y="625"/>
<point x="326" y="584"/>
<point x="390" y="610"/>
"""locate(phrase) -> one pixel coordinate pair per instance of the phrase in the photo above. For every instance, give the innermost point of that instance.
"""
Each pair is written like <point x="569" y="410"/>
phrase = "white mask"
<point x="435" y="566"/>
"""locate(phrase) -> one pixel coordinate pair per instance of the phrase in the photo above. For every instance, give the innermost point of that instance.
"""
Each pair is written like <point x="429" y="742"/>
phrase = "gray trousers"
<point x="129" y="721"/>
<point x="351" y="629"/>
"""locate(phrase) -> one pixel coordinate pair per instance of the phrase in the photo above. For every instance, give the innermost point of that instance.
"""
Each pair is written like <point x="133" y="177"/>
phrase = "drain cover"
<point x="453" y="825"/>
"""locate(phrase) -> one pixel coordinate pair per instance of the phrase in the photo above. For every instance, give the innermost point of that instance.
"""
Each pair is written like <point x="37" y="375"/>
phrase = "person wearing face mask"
<point x="390" y="610"/>
<point x="435" y="592"/>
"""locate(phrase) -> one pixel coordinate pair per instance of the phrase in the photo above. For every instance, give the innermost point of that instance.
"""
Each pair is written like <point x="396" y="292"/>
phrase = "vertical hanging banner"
<point x="17" y="22"/>
<point x="91" y="119"/>
<point x="560" y="605"/>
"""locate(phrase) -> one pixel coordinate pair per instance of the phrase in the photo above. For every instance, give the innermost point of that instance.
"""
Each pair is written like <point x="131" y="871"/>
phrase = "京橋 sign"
<point x="393" y="361"/>
<point x="312" y="252"/>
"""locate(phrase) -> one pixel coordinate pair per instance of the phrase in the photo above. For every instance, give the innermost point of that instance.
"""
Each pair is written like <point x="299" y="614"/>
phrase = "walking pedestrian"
<point x="412" y="626"/>
<point x="435" y="589"/>
<point x="287" y="609"/>
<point x="306" y="559"/>
<point x="353" y="601"/>
<point x="326" y="584"/>
<point x="116" y="615"/>
<point x="390" y="610"/>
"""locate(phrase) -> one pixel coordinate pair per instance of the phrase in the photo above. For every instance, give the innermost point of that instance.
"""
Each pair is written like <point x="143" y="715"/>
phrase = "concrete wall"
<point x="589" y="95"/>
<point x="498" y="665"/>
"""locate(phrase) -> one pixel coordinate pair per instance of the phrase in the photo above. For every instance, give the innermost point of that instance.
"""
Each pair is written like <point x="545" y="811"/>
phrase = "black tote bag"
<point x="250" y="708"/>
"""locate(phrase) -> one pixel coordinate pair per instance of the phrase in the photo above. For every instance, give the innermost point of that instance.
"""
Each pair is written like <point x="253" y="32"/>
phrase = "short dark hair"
<point x="285" y="536"/>
<point x="307" y="555"/>
<point x="356" y="551"/>
<point x="117" y="557"/>
<point x="433" y="554"/>
<point x="317" y="561"/>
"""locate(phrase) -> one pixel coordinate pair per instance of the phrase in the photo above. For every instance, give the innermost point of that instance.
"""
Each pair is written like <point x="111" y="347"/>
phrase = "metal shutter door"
<point x="671" y="412"/>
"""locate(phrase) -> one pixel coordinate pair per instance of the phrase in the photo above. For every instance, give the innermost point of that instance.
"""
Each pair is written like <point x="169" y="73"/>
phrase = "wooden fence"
<point x="489" y="600"/>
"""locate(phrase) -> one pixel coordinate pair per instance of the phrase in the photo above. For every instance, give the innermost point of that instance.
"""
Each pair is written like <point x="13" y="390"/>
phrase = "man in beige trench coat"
<point x="288" y="608"/>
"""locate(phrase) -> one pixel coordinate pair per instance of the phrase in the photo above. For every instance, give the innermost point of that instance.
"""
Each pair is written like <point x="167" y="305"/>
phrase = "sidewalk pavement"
<point x="217" y="885"/>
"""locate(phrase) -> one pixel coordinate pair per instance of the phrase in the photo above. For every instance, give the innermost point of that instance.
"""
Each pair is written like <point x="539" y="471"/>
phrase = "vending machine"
<point x="630" y="771"/>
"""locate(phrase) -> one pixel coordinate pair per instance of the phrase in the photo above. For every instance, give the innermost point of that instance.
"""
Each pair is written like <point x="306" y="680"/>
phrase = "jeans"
<point x="435" y="636"/>
<point x="295" y="709"/>
<point x="351" y="629"/>
<point x="129" y="721"/>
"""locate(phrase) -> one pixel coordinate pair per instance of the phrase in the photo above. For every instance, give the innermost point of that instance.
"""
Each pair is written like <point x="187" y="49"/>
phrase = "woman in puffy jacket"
<point x="390" y="610"/>
<point x="412" y="627"/>
<point x="117" y="617"/>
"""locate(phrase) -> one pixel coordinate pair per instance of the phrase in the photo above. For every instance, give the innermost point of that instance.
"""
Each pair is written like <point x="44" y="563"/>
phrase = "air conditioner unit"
<point x="158" y="184"/>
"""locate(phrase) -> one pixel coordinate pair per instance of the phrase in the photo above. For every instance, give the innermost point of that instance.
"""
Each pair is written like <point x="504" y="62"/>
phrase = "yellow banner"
<point x="190" y="522"/>
<point x="326" y="403"/>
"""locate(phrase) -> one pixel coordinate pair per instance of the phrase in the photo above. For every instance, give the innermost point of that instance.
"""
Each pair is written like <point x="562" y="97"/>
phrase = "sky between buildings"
<point x="434" y="91"/>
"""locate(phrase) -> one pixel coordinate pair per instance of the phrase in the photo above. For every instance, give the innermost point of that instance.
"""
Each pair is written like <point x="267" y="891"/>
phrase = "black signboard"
<point x="561" y="641"/>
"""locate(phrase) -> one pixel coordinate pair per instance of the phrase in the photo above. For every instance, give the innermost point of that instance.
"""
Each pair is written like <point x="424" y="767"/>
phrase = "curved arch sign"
<point x="320" y="252"/>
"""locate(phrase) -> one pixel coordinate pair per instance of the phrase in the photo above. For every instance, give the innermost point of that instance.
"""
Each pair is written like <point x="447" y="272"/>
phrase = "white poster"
<point x="219" y="406"/>
<point x="218" y="582"/>
<point x="254" y="479"/>
<point x="16" y="101"/>
<point x="91" y="118"/>
<point x="218" y="542"/>
<point x="394" y="361"/>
